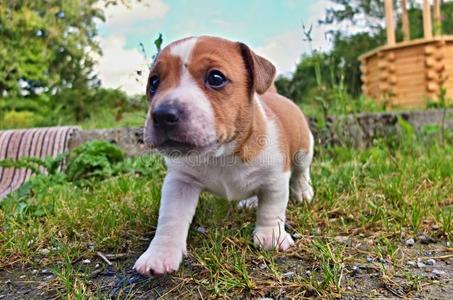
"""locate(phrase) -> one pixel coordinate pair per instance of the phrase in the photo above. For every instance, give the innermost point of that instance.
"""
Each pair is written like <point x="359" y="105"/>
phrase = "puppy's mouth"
<point x="174" y="147"/>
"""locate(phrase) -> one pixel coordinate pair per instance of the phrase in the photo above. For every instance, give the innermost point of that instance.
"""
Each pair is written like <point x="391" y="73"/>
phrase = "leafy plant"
<point x="94" y="159"/>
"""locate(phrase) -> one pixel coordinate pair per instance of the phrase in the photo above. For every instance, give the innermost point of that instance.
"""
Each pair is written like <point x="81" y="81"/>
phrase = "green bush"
<point x="21" y="119"/>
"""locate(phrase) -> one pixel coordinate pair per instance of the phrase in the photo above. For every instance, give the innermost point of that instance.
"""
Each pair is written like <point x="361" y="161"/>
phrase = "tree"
<point x="367" y="16"/>
<point x="46" y="54"/>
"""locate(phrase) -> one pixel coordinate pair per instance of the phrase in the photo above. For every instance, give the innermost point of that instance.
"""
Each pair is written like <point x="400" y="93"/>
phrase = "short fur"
<point x="239" y="141"/>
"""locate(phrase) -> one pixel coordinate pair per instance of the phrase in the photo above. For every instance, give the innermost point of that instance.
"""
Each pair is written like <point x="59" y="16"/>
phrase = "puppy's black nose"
<point x="166" y="116"/>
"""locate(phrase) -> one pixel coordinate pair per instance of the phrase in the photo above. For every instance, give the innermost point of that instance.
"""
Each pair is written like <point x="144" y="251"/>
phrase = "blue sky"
<point x="272" y="28"/>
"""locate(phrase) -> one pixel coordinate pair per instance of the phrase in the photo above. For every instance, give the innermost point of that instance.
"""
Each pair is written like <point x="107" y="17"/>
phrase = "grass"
<point x="380" y="196"/>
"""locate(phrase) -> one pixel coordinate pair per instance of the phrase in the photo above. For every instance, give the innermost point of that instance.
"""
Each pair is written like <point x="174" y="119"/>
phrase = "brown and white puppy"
<point x="216" y="117"/>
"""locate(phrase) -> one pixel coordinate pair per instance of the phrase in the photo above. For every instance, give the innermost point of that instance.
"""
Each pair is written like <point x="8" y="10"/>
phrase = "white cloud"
<point x="117" y="67"/>
<point x="120" y="16"/>
<point x="286" y="49"/>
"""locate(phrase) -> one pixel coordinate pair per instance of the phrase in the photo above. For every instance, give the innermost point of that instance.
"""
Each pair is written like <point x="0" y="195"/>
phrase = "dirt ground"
<point x="423" y="271"/>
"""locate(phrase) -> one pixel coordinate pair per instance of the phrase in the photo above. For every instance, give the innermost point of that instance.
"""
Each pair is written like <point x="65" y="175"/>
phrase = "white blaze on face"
<point x="197" y="106"/>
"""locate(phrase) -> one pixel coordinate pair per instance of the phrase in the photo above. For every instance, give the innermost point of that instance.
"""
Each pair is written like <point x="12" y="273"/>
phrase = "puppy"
<point x="218" y="120"/>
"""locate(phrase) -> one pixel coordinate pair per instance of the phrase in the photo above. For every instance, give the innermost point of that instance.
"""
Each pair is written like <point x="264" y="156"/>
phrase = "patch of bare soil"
<point x="421" y="271"/>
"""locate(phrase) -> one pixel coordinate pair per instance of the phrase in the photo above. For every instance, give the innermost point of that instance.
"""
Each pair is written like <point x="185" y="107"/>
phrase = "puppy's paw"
<point x="272" y="238"/>
<point x="302" y="192"/>
<point x="251" y="202"/>
<point x="159" y="260"/>
<point x="307" y="192"/>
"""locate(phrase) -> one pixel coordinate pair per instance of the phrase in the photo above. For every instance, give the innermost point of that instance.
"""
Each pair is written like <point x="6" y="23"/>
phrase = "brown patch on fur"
<point x="237" y="117"/>
<point x="168" y="68"/>
<point x="293" y="128"/>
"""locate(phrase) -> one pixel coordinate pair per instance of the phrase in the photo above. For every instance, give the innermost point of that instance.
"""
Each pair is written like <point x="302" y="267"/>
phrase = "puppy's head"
<point x="201" y="94"/>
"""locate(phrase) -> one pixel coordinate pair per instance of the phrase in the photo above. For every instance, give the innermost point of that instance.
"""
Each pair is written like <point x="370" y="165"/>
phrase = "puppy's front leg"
<point x="271" y="216"/>
<point x="178" y="203"/>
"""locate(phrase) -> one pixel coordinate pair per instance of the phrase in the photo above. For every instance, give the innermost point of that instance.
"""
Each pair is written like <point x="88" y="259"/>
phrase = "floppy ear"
<point x="261" y="71"/>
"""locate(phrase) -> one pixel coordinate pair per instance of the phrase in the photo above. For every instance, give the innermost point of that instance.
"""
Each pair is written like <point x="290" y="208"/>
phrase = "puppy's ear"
<point x="261" y="71"/>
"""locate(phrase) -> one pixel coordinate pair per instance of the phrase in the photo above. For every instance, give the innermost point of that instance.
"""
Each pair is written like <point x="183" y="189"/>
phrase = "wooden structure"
<point x="410" y="73"/>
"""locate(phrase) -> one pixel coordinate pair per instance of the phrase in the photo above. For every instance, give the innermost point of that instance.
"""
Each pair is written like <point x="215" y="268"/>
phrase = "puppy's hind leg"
<point x="300" y="186"/>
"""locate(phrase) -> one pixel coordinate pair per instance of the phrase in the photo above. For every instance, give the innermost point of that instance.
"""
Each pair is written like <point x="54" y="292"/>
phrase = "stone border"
<point x="358" y="130"/>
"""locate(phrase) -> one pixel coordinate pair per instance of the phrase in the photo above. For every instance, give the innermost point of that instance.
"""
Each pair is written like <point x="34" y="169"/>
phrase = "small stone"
<point x="86" y="261"/>
<point x="45" y="272"/>
<point x="201" y="229"/>
<point x="308" y="273"/>
<point x="297" y="236"/>
<point x="411" y="263"/>
<point x="438" y="273"/>
<point x="410" y="242"/>
<point x="97" y="266"/>
<point x="421" y="265"/>
<point x="22" y="276"/>
<point x="356" y="270"/>
<point x="382" y="260"/>
<point x="262" y="266"/>
<point x="288" y="274"/>
<point x="90" y="246"/>
<point x="369" y="259"/>
<point x="48" y="277"/>
<point x="44" y="251"/>
<point x="349" y="288"/>
<point x="33" y="272"/>
<point x="342" y="239"/>
<point x="430" y="262"/>
<point x="424" y="239"/>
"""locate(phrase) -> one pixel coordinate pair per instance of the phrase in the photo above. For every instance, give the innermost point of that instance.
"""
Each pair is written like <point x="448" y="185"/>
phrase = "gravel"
<point x="410" y="242"/>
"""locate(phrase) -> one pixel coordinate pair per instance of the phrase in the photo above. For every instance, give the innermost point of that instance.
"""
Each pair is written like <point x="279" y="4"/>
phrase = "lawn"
<point x="353" y="240"/>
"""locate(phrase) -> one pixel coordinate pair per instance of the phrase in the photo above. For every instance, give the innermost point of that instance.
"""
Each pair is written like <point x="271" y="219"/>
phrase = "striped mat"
<point x="35" y="142"/>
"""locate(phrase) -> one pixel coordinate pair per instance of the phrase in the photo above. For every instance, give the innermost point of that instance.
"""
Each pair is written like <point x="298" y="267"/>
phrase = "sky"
<point x="273" y="28"/>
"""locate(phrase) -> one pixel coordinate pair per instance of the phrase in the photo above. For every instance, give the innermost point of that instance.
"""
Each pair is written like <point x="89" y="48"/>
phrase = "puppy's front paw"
<point x="301" y="192"/>
<point x="272" y="238"/>
<point x="159" y="260"/>
<point x="307" y="192"/>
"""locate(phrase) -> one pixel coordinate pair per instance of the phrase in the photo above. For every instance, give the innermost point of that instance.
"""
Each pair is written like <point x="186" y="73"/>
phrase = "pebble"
<point x="288" y="274"/>
<point x="262" y="266"/>
<point x="382" y="260"/>
<point x="86" y="261"/>
<point x="44" y="251"/>
<point x="22" y="276"/>
<point x="438" y="273"/>
<point x="97" y="266"/>
<point x="342" y="239"/>
<point x="356" y="270"/>
<point x="201" y="229"/>
<point x="369" y="259"/>
<point x="424" y="239"/>
<point x="421" y="265"/>
<point x="308" y="273"/>
<point x="48" y="277"/>
<point x="411" y="263"/>
<point x="410" y="242"/>
<point x="33" y="272"/>
<point x="297" y="236"/>
<point x="45" y="272"/>
<point x="430" y="262"/>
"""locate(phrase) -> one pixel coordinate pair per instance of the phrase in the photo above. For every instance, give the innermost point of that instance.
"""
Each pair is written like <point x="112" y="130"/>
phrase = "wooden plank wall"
<point x="448" y="72"/>
<point x="408" y="76"/>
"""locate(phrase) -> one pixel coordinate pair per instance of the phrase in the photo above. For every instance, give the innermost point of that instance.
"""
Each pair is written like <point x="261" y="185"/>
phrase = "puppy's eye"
<point x="153" y="84"/>
<point x="215" y="79"/>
